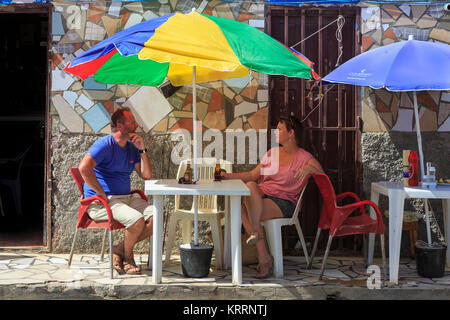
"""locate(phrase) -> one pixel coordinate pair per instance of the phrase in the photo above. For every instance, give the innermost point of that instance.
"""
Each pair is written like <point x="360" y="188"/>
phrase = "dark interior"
<point x="23" y="63"/>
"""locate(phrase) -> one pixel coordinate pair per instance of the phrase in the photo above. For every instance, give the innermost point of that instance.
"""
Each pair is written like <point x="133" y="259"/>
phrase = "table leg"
<point x="446" y="209"/>
<point x="236" y="225"/>
<point x="227" y="236"/>
<point x="374" y="197"/>
<point x="396" y="205"/>
<point x="157" y="237"/>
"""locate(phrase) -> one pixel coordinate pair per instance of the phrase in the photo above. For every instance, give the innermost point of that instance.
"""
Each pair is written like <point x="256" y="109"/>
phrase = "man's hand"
<point x="86" y="168"/>
<point x="137" y="141"/>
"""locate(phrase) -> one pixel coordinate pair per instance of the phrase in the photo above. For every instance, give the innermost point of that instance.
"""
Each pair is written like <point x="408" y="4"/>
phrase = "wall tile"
<point x="238" y="84"/>
<point x="426" y="22"/>
<point x="245" y="108"/>
<point x="91" y="84"/>
<point x="441" y="35"/>
<point x="418" y="11"/>
<point x="67" y="115"/>
<point x="114" y="8"/>
<point x="97" y="117"/>
<point x="445" y="127"/>
<point x="236" y="124"/>
<point x="428" y="120"/>
<point x="406" y="9"/>
<point x="404" y="120"/>
<point x="85" y="102"/>
<point x="393" y="11"/>
<point x="134" y="19"/>
<point x="61" y="80"/>
<point x="71" y="97"/>
<point x="149" y="106"/>
<point x="111" y="25"/>
<point x="57" y="25"/>
<point x="94" y="32"/>
<point x="259" y="119"/>
<point x="215" y="120"/>
<point x="444" y="112"/>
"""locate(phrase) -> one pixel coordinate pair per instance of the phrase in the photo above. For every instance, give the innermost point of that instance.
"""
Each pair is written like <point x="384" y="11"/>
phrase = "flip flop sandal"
<point x="131" y="268"/>
<point x="254" y="238"/>
<point x="117" y="263"/>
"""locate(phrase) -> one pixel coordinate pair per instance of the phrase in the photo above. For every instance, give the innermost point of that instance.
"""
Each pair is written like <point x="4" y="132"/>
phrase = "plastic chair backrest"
<point x="14" y="166"/>
<point x="328" y="197"/>
<point x="205" y="171"/>
<point x="78" y="179"/>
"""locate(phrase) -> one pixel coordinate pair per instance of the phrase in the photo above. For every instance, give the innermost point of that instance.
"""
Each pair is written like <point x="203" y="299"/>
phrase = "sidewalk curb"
<point x="83" y="290"/>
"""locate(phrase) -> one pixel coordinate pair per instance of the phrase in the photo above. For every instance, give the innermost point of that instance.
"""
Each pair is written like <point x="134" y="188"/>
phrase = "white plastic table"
<point x="397" y="194"/>
<point x="234" y="189"/>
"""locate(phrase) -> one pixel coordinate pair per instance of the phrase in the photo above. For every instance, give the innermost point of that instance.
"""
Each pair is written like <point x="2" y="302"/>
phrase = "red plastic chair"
<point x="337" y="218"/>
<point x="85" y="222"/>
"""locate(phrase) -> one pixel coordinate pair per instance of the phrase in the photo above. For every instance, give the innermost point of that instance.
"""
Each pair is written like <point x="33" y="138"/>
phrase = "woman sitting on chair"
<point x="284" y="172"/>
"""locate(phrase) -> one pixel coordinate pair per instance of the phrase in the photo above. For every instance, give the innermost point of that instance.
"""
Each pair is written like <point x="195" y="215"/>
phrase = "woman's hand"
<point x="304" y="172"/>
<point x="313" y="166"/>
<point x="225" y="175"/>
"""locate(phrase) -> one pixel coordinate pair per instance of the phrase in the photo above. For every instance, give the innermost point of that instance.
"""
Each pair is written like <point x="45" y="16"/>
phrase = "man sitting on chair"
<point x="106" y="170"/>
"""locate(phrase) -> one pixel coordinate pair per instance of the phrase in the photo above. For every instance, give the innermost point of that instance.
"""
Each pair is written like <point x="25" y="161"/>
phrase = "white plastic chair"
<point x="1" y="207"/>
<point x="207" y="210"/>
<point x="272" y="228"/>
<point x="14" y="181"/>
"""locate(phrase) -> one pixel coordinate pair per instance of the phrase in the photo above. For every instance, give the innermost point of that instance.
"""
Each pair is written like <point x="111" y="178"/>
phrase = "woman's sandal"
<point x="265" y="269"/>
<point x="254" y="238"/>
<point x="118" y="263"/>
<point x="131" y="268"/>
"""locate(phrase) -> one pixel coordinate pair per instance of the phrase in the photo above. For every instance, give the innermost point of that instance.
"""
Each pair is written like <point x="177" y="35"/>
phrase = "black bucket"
<point x="196" y="260"/>
<point x="430" y="261"/>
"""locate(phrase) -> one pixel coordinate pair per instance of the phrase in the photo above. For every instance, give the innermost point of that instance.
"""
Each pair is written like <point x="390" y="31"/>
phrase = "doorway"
<point x="24" y="39"/>
<point x="331" y="131"/>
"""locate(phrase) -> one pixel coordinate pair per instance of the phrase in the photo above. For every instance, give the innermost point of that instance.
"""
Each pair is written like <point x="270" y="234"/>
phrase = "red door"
<point x="332" y="131"/>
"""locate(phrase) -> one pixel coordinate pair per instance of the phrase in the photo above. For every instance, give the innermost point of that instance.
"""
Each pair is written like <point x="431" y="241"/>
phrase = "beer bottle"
<point x="188" y="174"/>
<point x="217" y="176"/>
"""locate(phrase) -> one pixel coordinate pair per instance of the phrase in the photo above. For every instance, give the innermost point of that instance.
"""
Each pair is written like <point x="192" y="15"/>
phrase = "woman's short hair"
<point x="118" y="117"/>
<point x="293" y="123"/>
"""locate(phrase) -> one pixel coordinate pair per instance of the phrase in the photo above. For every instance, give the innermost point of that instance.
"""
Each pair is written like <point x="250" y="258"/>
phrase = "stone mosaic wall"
<point x="85" y="106"/>
<point x="385" y="24"/>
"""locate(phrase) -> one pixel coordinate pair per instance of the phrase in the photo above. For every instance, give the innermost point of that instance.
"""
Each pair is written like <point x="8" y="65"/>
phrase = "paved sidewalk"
<point x="30" y="275"/>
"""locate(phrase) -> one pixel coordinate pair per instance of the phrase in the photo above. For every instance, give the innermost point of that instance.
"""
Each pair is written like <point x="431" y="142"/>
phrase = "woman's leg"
<point x="270" y="211"/>
<point x="254" y="206"/>
<point x="246" y="220"/>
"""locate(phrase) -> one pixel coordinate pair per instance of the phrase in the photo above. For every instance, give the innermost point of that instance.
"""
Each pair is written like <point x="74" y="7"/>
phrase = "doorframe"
<point x="34" y="8"/>
<point x="357" y="92"/>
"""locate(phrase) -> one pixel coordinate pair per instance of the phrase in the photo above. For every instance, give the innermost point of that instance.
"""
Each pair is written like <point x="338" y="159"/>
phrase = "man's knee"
<point x="138" y="225"/>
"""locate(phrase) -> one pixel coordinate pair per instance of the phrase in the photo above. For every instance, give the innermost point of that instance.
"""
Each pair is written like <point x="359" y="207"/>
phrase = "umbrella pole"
<point x="422" y="168"/>
<point x="194" y="115"/>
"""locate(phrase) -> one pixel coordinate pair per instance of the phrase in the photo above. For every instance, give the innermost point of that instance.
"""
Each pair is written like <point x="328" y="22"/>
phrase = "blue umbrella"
<point x="401" y="66"/>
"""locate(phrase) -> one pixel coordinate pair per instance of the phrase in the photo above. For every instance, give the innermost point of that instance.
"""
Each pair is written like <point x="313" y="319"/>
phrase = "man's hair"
<point x="293" y="123"/>
<point x="118" y="117"/>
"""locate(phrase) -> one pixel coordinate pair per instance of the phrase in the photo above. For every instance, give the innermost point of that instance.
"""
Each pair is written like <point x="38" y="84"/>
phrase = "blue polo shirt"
<point x="114" y="165"/>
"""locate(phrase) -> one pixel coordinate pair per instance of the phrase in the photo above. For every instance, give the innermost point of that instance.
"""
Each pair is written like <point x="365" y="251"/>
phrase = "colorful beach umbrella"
<point x="400" y="66"/>
<point x="186" y="49"/>
<point x="169" y="46"/>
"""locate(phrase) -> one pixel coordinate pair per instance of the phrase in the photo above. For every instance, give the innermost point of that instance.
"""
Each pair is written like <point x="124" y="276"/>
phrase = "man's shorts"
<point x="126" y="209"/>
